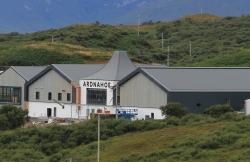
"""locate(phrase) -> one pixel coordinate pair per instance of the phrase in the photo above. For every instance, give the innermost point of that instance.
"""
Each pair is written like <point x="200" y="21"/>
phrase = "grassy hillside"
<point x="211" y="38"/>
<point x="194" y="138"/>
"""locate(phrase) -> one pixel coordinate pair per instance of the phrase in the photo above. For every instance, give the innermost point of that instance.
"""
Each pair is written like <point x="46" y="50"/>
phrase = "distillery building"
<point x="99" y="91"/>
<point x="12" y="82"/>
<point x="55" y="91"/>
<point x="195" y="88"/>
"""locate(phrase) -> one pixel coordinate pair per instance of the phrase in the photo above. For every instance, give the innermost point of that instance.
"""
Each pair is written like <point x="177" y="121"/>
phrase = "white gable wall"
<point x="54" y="83"/>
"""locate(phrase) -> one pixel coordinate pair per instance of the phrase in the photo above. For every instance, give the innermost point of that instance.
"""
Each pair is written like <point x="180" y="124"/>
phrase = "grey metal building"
<point x="12" y="83"/>
<point x="57" y="82"/>
<point x="195" y="88"/>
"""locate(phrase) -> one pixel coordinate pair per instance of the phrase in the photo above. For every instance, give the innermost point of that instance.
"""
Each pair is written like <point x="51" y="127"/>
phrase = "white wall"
<point x="141" y="111"/>
<point x="146" y="111"/>
<point x="247" y="107"/>
<point x="85" y="87"/>
<point x="37" y="109"/>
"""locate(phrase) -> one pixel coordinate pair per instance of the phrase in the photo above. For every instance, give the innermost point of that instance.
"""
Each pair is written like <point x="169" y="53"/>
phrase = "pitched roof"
<point x="118" y="67"/>
<point x="28" y="72"/>
<point x="70" y="72"/>
<point x="76" y="71"/>
<point x="196" y="79"/>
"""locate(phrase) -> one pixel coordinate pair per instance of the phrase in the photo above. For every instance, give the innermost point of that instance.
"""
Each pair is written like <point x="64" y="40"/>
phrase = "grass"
<point x="202" y="17"/>
<point x="215" y="41"/>
<point x="237" y="59"/>
<point x="148" y="143"/>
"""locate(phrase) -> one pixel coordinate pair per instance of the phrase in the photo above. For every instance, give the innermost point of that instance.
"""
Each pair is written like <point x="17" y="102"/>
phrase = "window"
<point x="96" y="96"/>
<point x="68" y="96"/>
<point x="49" y="96"/>
<point x="10" y="95"/>
<point x="54" y="111"/>
<point x="59" y="96"/>
<point x="37" y="95"/>
<point x="73" y="95"/>
<point x="198" y="104"/>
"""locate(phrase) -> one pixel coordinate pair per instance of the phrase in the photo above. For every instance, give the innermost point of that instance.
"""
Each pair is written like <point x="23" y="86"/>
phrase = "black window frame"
<point x="37" y="95"/>
<point x="49" y="96"/>
<point x="59" y="97"/>
<point x="11" y="95"/>
<point x="68" y="96"/>
<point x="96" y="96"/>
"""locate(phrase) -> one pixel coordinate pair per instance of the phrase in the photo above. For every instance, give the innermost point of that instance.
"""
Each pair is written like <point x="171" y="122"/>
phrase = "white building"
<point x="58" y="83"/>
<point x="98" y="90"/>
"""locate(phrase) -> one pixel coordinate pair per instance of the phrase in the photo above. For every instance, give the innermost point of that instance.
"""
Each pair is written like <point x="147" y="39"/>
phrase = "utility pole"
<point x="162" y="40"/>
<point x="201" y="8"/>
<point x="142" y="53"/>
<point x="116" y="116"/>
<point x="139" y="12"/>
<point x="52" y="38"/>
<point x="190" y="43"/>
<point x="98" y="147"/>
<point x="168" y="57"/>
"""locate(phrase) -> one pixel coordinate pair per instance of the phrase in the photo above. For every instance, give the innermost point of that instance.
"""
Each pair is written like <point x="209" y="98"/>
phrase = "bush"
<point x="218" y="110"/>
<point x="232" y="116"/>
<point x="174" y="109"/>
<point x="172" y="120"/>
<point x="12" y="117"/>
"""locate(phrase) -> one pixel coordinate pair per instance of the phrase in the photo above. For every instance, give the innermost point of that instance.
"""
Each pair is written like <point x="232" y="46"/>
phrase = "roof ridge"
<point x="19" y="73"/>
<point x="62" y="71"/>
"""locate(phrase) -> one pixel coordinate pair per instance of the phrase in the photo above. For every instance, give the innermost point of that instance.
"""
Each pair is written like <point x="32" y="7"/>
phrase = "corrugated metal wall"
<point x="141" y="92"/>
<point x="11" y="78"/>
<point x="50" y="82"/>
<point x="197" y="102"/>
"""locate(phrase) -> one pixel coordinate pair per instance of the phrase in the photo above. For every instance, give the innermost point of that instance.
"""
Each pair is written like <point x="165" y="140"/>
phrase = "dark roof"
<point x="28" y="72"/>
<point x="117" y="68"/>
<point x="196" y="79"/>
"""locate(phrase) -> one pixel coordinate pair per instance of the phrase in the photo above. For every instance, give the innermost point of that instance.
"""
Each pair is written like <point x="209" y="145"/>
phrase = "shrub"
<point x="172" y="120"/>
<point x="232" y="116"/>
<point x="218" y="110"/>
<point x="12" y="117"/>
<point x="174" y="109"/>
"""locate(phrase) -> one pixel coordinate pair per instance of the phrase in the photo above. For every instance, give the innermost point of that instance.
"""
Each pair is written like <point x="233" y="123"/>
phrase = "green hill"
<point x="212" y="39"/>
<point x="194" y="138"/>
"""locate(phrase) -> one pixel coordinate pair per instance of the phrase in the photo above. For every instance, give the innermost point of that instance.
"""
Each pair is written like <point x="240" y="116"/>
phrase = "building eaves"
<point x="27" y="72"/>
<point x="39" y="75"/>
<point x="150" y="77"/>
<point x="195" y="79"/>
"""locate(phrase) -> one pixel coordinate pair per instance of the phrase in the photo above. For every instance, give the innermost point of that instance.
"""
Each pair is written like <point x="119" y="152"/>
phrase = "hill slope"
<point x="191" y="40"/>
<point x="194" y="138"/>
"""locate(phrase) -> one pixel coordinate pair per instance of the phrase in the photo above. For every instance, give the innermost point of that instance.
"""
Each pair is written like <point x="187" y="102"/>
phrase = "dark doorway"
<point x="54" y="111"/>
<point x="48" y="112"/>
<point x="152" y="115"/>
